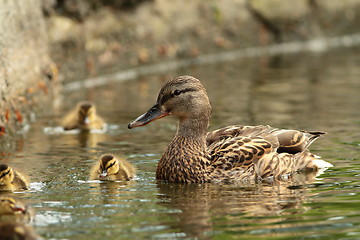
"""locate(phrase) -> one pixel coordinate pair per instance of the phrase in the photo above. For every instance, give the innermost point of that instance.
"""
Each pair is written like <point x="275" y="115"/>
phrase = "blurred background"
<point x="99" y="36"/>
<point x="46" y="43"/>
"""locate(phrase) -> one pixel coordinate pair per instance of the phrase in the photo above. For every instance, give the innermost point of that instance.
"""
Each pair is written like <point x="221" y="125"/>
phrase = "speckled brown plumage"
<point x="194" y="164"/>
<point x="233" y="153"/>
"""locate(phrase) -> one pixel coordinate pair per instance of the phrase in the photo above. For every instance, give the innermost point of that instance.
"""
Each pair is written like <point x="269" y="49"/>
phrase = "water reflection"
<point x="203" y="209"/>
<point x="110" y="192"/>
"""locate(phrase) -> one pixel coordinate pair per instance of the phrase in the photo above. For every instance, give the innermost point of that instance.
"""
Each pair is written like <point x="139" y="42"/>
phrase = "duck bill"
<point x="86" y="120"/>
<point x="154" y="113"/>
<point x="19" y="209"/>
<point x="103" y="174"/>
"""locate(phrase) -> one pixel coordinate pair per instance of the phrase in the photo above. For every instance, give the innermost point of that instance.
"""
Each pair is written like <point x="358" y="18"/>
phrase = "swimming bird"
<point x="233" y="153"/>
<point x="83" y="117"/>
<point x="112" y="168"/>
<point x="12" y="209"/>
<point x="11" y="180"/>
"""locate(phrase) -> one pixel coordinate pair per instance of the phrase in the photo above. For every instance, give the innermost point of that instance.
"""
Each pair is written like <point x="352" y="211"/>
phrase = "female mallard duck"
<point x="83" y="117"/>
<point x="234" y="153"/>
<point x="17" y="231"/>
<point x="11" y="180"/>
<point x="111" y="168"/>
<point x="14" y="210"/>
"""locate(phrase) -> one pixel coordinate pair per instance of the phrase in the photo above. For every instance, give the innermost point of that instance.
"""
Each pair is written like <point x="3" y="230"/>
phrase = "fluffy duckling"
<point x="17" y="231"/>
<point x="83" y="117"/>
<point x="14" y="210"/>
<point x="12" y="180"/>
<point x="233" y="153"/>
<point x="111" y="168"/>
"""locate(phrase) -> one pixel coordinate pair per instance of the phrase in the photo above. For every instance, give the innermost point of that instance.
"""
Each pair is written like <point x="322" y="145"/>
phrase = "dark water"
<point x="303" y="91"/>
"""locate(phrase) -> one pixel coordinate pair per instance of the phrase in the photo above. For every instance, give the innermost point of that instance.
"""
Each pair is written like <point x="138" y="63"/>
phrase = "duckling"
<point x="234" y="153"/>
<point x="11" y="180"/>
<point x="83" y="117"/>
<point x="12" y="209"/>
<point x="17" y="231"/>
<point x="111" y="168"/>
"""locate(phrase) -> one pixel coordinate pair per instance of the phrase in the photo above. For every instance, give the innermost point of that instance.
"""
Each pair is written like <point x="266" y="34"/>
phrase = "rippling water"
<point x="303" y="91"/>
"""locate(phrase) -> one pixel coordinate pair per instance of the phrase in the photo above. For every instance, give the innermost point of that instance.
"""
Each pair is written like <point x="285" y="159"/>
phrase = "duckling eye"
<point x="177" y="92"/>
<point x="5" y="173"/>
<point x="112" y="164"/>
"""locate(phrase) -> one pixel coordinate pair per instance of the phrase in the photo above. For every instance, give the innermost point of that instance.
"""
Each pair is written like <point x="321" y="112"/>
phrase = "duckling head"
<point x="87" y="112"/>
<point x="109" y="166"/>
<point x="6" y="174"/>
<point x="10" y="206"/>
<point x="184" y="97"/>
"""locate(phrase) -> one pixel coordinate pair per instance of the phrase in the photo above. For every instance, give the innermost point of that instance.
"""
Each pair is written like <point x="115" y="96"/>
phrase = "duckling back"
<point x="127" y="171"/>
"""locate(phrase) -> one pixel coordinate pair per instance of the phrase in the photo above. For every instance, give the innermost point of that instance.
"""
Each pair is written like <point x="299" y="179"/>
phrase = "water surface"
<point x="304" y="91"/>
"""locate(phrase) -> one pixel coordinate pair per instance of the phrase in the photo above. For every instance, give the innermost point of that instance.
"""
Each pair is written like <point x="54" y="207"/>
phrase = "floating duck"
<point x="233" y="153"/>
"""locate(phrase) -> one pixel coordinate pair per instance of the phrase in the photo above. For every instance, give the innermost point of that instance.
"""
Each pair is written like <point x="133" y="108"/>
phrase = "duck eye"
<point x="177" y="92"/>
<point x="111" y="165"/>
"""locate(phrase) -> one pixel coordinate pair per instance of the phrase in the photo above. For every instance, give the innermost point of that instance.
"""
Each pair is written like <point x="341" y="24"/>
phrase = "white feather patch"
<point x="321" y="164"/>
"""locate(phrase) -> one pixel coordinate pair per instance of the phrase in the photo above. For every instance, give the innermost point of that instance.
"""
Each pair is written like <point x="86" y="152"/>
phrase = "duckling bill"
<point x="83" y="117"/>
<point x="12" y="180"/>
<point x="233" y="153"/>
<point x="112" y="168"/>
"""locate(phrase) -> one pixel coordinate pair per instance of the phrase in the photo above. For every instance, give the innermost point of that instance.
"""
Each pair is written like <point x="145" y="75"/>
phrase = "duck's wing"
<point x="294" y="141"/>
<point x="279" y="165"/>
<point x="290" y="141"/>
<point x="236" y="131"/>
<point x="231" y="152"/>
<point x="240" y="146"/>
<point x="256" y="158"/>
<point x="244" y="152"/>
<point x="233" y="158"/>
